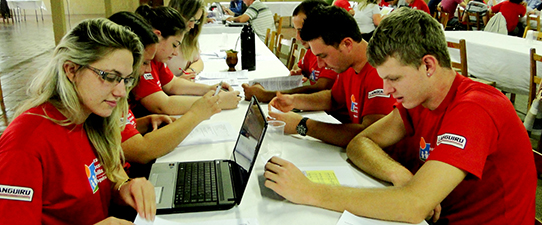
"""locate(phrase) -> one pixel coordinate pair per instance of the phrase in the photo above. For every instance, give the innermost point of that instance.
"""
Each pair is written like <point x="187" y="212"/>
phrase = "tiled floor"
<point x="26" y="47"/>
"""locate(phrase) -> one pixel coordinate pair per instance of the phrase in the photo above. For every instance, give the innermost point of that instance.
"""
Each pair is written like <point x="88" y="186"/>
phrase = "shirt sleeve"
<point x="465" y="137"/>
<point x="21" y="188"/>
<point x="376" y="102"/>
<point x="337" y="93"/>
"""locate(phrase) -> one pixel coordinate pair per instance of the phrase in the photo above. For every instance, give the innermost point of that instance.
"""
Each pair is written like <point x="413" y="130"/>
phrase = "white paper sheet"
<point x="241" y="74"/>
<point x="206" y="133"/>
<point x="159" y="221"/>
<point x="348" y="218"/>
<point x="279" y="83"/>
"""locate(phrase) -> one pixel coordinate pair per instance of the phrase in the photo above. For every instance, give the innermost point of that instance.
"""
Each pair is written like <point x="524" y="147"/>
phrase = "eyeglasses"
<point x="112" y="78"/>
<point x="193" y="20"/>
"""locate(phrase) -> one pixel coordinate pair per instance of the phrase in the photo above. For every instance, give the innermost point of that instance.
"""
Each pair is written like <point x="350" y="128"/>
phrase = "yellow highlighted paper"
<point x="322" y="177"/>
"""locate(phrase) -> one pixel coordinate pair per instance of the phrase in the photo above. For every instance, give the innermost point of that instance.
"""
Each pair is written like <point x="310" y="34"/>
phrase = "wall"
<point x="89" y="7"/>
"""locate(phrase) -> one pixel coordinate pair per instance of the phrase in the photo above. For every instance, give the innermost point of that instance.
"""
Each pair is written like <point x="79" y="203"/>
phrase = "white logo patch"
<point x="16" y="193"/>
<point x="452" y="139"/>
<point x="377" y="93"/>
<point x="148" y="76"/>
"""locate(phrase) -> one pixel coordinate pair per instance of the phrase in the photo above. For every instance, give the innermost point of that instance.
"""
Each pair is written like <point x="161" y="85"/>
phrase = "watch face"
<point x="301" y="130"/>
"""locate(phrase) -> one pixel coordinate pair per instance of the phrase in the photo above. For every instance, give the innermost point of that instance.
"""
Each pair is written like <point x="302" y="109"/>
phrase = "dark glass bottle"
<point x="248" y="48"/>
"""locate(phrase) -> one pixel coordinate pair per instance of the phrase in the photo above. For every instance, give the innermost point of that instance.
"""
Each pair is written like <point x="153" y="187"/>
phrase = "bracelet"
<point x="123" y="183"/>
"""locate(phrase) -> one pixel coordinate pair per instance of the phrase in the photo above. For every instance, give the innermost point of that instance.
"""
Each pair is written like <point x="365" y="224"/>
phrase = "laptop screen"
<point x="250" y="137"/>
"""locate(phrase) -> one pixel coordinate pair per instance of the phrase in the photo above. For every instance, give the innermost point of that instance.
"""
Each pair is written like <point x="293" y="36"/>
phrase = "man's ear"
<point x="430" y="63"/>
<point x="348" y="43"/>
<point x="69" y="69"/>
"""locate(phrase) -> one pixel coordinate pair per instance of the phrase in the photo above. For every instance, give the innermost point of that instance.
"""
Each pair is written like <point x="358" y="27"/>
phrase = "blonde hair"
<point x="90" y="41"/>
<point x="364" y="3"/>
<point x="188" y="9"/>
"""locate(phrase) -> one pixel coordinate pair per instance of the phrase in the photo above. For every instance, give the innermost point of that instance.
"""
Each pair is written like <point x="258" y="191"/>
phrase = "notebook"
<point x="214" y="184"/>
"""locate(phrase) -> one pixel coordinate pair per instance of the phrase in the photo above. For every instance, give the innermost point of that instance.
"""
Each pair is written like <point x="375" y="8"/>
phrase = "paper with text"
<point x="206" y="133"/>
<point x="347" y="218"/>
<point x="241" y="74"/>
<point x="279" y="83"/>
<point x="159" y="221"/>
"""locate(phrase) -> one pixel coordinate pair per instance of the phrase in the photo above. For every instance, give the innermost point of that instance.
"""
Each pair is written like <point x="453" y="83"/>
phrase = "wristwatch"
<point x="301" y="128"/>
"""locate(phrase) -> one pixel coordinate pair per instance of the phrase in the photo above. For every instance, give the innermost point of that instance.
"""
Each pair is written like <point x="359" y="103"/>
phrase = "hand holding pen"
<point x="188" y="75"/>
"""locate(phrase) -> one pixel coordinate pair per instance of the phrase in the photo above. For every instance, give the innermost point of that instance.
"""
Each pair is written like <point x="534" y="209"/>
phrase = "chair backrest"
<point x="267" y="37"/>
<point x="278" y="22"/>
<point x="272" y="41"/>
<point x="533" y="17"/>
<point x="3" y="106"/>
<point x="535" y="80"/>
<point x="442" y="17"/>
<point x="476" y="22"/>
<point x="462" y="64"/>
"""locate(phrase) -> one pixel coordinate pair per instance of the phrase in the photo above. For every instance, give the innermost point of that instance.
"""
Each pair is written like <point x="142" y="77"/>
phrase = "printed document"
<point x="279" y="83"/>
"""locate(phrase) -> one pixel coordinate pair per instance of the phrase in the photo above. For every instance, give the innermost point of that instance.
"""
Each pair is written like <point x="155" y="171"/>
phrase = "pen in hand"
<point x="218" y="88"/>
<point x="184" y="71"/>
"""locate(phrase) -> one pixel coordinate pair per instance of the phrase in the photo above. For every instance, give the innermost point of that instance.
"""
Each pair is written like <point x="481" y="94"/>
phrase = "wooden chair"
<point x="442" y="17"/>
<point x="3" y="106"/>
<point x="528" y="27"/>
<point x="534" y="80"/>
<point x="278" y="22"/>
<point x="461" y="66"/>
<point x="478" y="22"/>
<point x="267" y="37"/>
<point x="272" y="41"/>
<point x="286" y="56"/>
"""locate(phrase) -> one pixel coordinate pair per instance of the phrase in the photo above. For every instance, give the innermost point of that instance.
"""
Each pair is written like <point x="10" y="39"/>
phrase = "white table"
<point x="496" y="57"/>
<point x="258" y="201"/>
<point x="18" y="5"/>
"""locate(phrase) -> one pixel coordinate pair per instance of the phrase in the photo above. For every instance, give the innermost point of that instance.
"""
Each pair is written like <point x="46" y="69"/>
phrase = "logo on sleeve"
<point x="452" y="139"/>
<point x="377" y="93"/>
<point x="353" y="105"/>
<point x="148" y="76"/>
<point x="16" y="193"/>
<point x="425" y="149"/>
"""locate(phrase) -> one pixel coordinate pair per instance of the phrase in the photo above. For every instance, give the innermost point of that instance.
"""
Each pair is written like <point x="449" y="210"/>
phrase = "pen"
<point x="181" y="69"/>
<point x="218" y="87"/>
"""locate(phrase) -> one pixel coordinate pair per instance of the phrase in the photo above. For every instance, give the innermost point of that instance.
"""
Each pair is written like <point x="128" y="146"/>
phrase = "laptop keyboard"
<point x="196" y="183"/>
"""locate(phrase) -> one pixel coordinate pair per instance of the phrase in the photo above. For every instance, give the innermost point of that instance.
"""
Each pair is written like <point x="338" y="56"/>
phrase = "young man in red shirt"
<point x="473" y="152"/>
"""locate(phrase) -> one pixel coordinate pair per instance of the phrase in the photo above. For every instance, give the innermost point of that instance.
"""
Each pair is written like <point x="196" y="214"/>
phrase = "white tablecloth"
<point x="258" y="201"/>
<point x="219" y="28"/>
<point x="496" y="57"/>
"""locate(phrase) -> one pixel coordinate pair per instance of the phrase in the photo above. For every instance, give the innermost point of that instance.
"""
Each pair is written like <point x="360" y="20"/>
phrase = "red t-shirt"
<point x="55" y="169"/>
<point x="476" y="129"/>
<point x="310" y="69"/>
<point x="343" y="4"/>
<point x="420" y="5"/>
<point x="361" y="93"/>
<point x="130" y="129"/>
<point x="511" y="12"/>
<point x="150" y="83"/>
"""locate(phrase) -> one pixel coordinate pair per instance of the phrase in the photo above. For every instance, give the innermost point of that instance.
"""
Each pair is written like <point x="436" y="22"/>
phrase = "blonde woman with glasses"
<point x="61" y="157"/>
<point x="188" y="63"/>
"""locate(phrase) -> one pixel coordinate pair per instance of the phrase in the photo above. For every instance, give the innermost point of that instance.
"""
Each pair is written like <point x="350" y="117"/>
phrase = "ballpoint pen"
<point x="218" y="87"/>
<point x="184" y="71"/>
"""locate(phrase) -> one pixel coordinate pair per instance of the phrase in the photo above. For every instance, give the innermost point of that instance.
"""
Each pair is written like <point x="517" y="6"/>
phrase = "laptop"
<point x="214" y="184"/>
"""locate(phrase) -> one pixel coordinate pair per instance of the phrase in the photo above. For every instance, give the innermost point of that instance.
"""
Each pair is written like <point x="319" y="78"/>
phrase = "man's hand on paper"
<point x="259" y="91"/>
<point x="287" y="180"/>
<point x="229" y="100"/>
<point x="284" y="103"/>
<point x="290" y="118"/>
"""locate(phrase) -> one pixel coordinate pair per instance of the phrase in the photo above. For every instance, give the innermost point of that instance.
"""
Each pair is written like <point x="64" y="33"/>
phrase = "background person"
<point x="367" y="16"/>
<point x="187" y="64"/>
<point x="259" y="16"/>
<point x="320" y="78"/>
<point x="73" y="163"/>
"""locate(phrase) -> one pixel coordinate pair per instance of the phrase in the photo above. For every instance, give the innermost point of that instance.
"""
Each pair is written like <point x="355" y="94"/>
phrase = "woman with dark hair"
<point x="142" y="140"/>
<point x="160" y="91"/>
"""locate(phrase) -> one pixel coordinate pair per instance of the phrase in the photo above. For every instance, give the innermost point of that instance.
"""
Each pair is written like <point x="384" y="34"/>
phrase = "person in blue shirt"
<point x="237" y="7"/>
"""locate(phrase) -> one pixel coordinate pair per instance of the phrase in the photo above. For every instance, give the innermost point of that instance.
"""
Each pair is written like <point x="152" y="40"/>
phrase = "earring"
<point x="428" y="74"/>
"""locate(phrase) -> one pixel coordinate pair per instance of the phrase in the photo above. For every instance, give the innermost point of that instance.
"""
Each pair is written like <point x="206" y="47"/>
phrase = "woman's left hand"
<point x="139" y="193"/>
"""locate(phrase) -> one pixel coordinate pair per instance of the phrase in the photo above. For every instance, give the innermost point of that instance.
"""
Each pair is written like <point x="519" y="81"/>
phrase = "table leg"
<point x="36" y="11"/>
